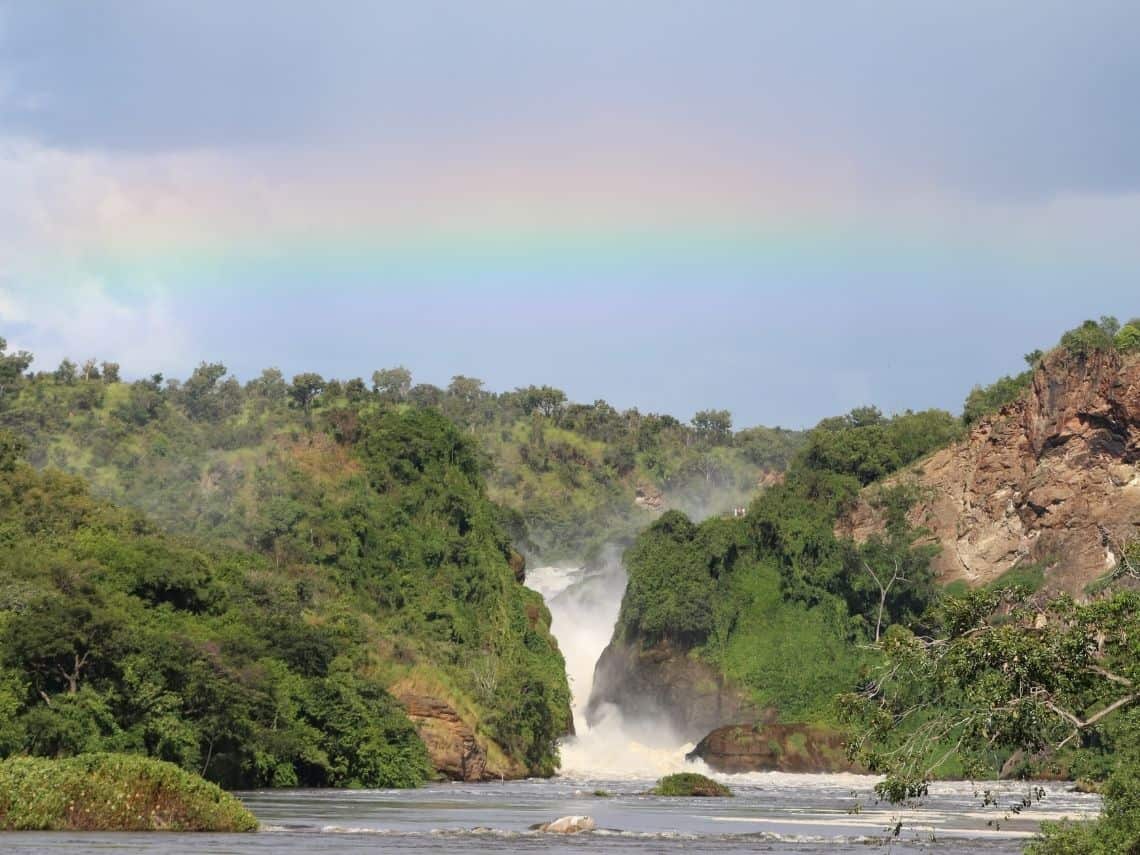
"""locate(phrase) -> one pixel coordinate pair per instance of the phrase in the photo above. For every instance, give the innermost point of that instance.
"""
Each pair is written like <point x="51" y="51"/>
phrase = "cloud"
<point x="142" y="332"/>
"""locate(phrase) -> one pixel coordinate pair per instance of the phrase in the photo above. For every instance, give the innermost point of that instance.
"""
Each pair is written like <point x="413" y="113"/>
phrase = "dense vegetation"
<point x="207" y="454"/>
<point x="264" y="658"/>
<point x="775" y="600"/>
<point x="113" y="792"/>
<point x="1002" y="678"/>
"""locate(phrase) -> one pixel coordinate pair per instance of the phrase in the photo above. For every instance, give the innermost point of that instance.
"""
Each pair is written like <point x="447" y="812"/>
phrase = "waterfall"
<point x="584" y="605"/>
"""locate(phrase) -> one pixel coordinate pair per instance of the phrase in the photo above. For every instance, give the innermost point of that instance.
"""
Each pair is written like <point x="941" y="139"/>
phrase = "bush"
<point x="1128" y="339"/>
<point x="984" y="400"/>
<point x="113" y="792"/>
<point x="1091" y="336"/>
<point x="689" y="784"/>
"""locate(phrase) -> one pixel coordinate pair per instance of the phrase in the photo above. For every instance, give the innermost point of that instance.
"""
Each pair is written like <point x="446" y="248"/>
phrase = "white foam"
<point x="584" y="606"/>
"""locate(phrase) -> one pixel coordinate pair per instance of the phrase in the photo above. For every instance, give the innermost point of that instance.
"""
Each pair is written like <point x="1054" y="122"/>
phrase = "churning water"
<point x="584" y="605"/>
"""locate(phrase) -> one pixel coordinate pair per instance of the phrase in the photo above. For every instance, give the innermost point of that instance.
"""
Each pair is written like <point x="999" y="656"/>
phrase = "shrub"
<point x="689" y="784"/>
<point x="113" y="792"/>
<point x="1128" y="339"/>
<point x="984" y="400"/>
<point x="1091" y="336"/>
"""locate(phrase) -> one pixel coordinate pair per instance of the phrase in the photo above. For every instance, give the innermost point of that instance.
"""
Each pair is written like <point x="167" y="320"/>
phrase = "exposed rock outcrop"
<point x="665" y="684"/>
<point x="450" y="742"/>
<point x="1051" y="478"/>
<point x="649" y="498"/>
<point x="774" y="748"/>
<point x="568" y="825"/>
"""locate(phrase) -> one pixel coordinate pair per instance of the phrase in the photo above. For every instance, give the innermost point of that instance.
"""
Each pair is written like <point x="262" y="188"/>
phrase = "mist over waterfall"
<point x="584" y="603"/>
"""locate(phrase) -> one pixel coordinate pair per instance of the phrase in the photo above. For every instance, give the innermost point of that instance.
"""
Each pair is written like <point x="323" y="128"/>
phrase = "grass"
<point x="788" y="656"/>
<point x="113" y="792"/>
<point x="689" y="784"/>
<point x="1030" y="577"/>
<point x="957" y="588"/>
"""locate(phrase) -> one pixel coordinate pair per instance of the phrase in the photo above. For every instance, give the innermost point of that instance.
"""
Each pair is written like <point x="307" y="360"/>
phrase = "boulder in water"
<point x="569" y="825"/>
<point x="775" y="748"/>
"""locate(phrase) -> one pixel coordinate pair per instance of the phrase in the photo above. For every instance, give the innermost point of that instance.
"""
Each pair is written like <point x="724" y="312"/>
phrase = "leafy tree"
<point x="200" y="396"/>
<point x="1127" y="340"/>
<point x="12" y="368"/>
<point x="270" y="386"/>
<point x="1091" y="336"/>
<point x="392" y="384"/>
<point x="67" y="373"/>
<point x="1000" y="673"/>
<point x="984" y="400"/>
<point x="306" y="389"/>
<point x="713" y="426"/>
<point x="544" y="399"/>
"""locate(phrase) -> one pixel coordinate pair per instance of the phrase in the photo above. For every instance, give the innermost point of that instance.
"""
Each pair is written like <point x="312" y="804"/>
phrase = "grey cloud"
<point x="1008" y="99"/>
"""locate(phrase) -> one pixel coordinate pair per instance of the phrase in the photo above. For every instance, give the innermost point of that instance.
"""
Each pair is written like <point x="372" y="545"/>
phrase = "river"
<point x="770" y="812"/>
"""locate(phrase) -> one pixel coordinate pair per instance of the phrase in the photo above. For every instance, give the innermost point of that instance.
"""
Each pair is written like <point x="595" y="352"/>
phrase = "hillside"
<point x="344" y="582"/>
<point x="1047" y="487"/>
<point x="204" y="455"/>
<point x="752" y="625"/>
<point x="372" y="503"/>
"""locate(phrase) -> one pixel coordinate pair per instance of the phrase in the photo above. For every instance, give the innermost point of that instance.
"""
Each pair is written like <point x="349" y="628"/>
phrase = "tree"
<point x="884" y="585"/>
<point x="12" y="368"/>
<point x="270" y="386"/>
<point x="392" y="384"/>
<point x="199" y="394"/>
<point x="465" y="389"/>
<point x="545" y="399"/>
<point x="355" y="390"/>
<point x="1000" y="675"/>
<point x="11" y="449"/>
<point x="713" y="426"/>
<point x="1128" y="339"/>
<point x="305" y="390"/>
<point x="67" y="373"/>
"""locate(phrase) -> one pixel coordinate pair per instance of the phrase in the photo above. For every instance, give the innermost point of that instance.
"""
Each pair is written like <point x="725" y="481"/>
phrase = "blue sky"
<point x="784" y="209"/>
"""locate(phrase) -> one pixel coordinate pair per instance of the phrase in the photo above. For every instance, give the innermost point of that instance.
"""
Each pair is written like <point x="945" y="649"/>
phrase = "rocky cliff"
<point x="667" y="687"/>
<point x="775" y="748"/>
<point x="1051" y="479"/>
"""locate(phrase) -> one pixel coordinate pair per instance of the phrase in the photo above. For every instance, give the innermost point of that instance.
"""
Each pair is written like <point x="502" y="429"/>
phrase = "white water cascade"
<point x="584" y="605"/>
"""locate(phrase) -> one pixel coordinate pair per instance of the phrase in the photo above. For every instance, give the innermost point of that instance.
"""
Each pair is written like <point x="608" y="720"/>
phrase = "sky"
<point x="785" y="209"/>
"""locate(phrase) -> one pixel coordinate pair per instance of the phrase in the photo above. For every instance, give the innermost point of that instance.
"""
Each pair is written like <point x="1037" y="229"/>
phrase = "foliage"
<point x="866" y="445"/>
<point x="984" y="400"/>
<point x="775" y="600"/>
<point x="1127" y="340"/>
<point x="689" y="784"/>
<point x="1091" y="336"/>
<point x="188" y="452"/>
<point x="113" y="792"/>
<point x="1118" y="828"/>
<point x="114" y="636"/>
<point x="672" y="577"/>
<point x="997" y="675"/>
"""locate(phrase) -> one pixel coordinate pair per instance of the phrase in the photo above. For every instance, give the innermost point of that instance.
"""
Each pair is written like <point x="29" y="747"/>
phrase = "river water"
<point x="807" y="814"/>
<point x="770" y="812"/>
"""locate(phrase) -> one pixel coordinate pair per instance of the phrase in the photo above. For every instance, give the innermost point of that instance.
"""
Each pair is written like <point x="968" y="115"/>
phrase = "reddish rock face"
<point x="774" y="748"/>
<point x="1053" y="478"/>
<point x="450" y="742"/>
